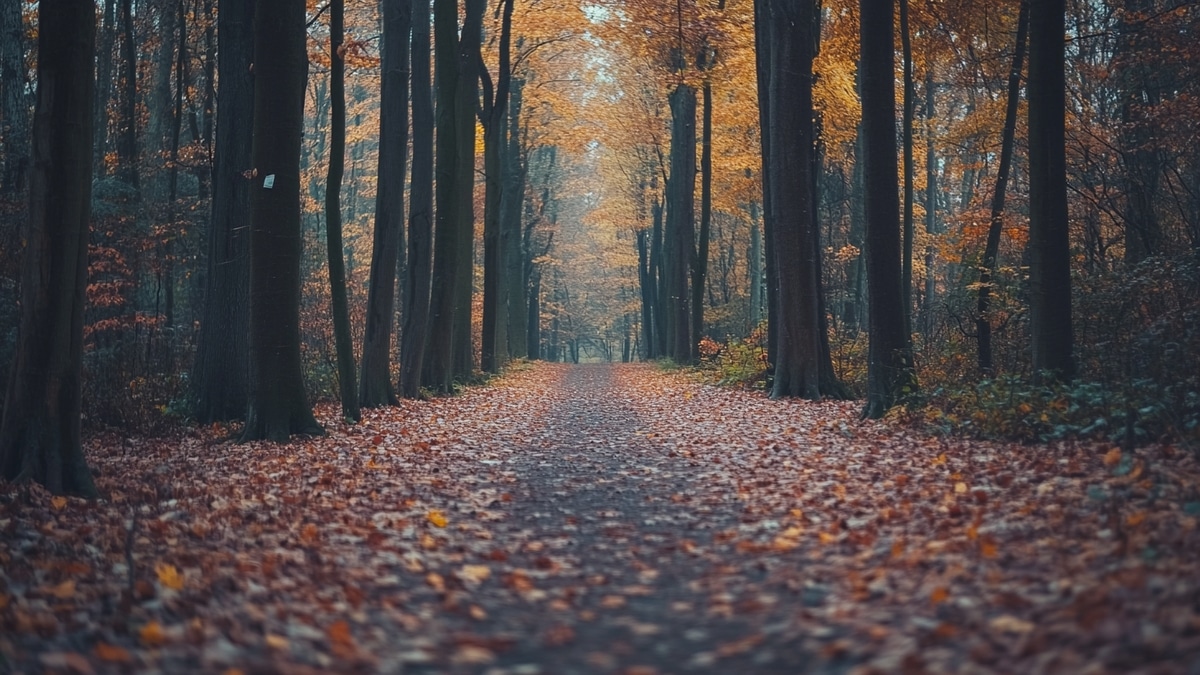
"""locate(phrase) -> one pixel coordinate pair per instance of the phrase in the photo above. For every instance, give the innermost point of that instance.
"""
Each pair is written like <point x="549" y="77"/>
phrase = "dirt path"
<point x="606" y="519"/>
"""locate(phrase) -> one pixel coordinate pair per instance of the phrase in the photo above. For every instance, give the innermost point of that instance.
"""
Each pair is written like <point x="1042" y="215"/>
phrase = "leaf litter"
<point x="606" y="519"/>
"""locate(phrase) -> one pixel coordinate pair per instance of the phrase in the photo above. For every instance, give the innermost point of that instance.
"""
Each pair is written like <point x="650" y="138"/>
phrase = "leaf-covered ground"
<point x="607" y="519"/>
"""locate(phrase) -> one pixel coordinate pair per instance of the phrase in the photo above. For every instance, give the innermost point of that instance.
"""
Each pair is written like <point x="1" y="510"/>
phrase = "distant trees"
<point x="40" y="431"/>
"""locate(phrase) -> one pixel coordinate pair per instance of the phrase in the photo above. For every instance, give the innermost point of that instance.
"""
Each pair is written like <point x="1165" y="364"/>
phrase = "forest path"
<point x="608" y="519"/>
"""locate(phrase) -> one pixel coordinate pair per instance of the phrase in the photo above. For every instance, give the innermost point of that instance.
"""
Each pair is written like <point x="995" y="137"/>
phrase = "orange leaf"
<point x="1135" y="519"/>
<point x="169" y="576"/>
<point x="152" y="635"/>
<point x="939" y="595"/>
<point x="111" y="653"/>
<point x="341" y="640"/>
<point x="309" y="533"/>
<point x="436" y="518"/>
<point x="988" y="548"/>
<point x="59" y="503"/>
<point x="64" y="590"/>
<point x="1112" y="457"/>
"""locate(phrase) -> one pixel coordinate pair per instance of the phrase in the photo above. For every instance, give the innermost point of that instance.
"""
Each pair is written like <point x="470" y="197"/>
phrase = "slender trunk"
<point x="907" y="128"/>
<point x="755" y="268"/>
<point x="762" y="60"/>
<point x="388" y="239"/>
<point x="104" y="86"/>
<point x="681" y="233"/>
<point x="466" y="104"/>
<point x="931" y="227"/>
<point x="890" y="372"/>
<point x="511" y="203"/>
<point x="494" y="351"/>
<point x="983" y="321"/>
<point x="420" y="212"/>
<point x="658" y="273"/>
<point x="339" y="304"/>
<point x="1049" y="233"/>
<point x="700" y="260"/>
<point x="127" y="169"/>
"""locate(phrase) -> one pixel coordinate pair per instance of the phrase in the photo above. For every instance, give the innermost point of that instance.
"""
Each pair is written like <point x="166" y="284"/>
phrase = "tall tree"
<point x="127" y="150"/>
<point x="339" y="304"/>
<point x="420" y="212"/>
<point x="700" y="259"/>
<point x="219" y="377"/>
<point x="512" y="203"/>
<point x="1049" y="233"/>
<point x="983" y="321"/>
<point x="40" y="431"/>
<point x="680" y="232"/>
<point x="890" y="373"/>
<point x="14" y="107"/>
<point x="800" y="356"/>
<point x="762" y="69"/>
<point x="278" y="403"/>
<point x="494" y="350"/>
<point x="376" y="388"/>
<point x="906" y="126"/>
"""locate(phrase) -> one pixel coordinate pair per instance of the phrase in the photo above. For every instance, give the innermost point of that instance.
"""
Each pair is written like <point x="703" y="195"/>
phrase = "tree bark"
<point x="762" y="67"/>
<point x="388" y="239"/>
<point x="890" y="373"/>
<point x="700" y="259"/>
<point x="40" y="431"/>
<point x="219" y="379"/>
<point x="931" y="226"/>
<point x="511" y="206"/>
<point x="494" y="343"/>
<point x="420" y="212"/>
<point x="906" y="126"/>
<point x="127" y="169"/>
<point x="680" y="230"/>
<point x="983" y="322"/>
<point x="1049" y="233"/>
<point x="339" y="303"/>
<point x="278" y="404"/>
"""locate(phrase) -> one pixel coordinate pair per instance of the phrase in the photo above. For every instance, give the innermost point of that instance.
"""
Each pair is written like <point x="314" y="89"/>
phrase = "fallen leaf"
<point x="169" y="576"/>
<point x="58" y="503"/>
<point x="112" y="653"/>
<point x="939" y="595"/>
<point x="436" y="518"/>
<point x="65" y="590"/>
<point x="152" y="635"/>
<point x="1007" y="623"/>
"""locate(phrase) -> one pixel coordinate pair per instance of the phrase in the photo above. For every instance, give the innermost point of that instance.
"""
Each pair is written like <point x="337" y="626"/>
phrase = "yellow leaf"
<point x="1007" y="623"/>
<point x="939" y="595"/>
<point x="972" y="532"/>
<point x="437" y="518"/>
<point x="59" y="503"/>
<point x="827" y="538"/>
<point x="960" y="488"/>
<point x="152" y="635"/>
<point x="276" y="641"/>
<point x="436" y="581"/>
<point x="941" y="459"/>
<point x="474" y="573"/>
<point x="1112" y="457"/>
<point x="111" y="653"/>
<point x="169" y="576"/>
<point x="64" y="590"/>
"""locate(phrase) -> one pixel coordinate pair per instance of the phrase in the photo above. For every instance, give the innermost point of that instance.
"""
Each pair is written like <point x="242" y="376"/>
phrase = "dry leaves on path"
<point x="606" y="519"/>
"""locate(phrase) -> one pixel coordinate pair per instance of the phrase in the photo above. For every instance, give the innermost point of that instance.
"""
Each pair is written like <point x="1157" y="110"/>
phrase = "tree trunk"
<point x="931" y="227"/>
<point x="700" y="260"/>
<point x="890" y="373"/>
<point x="646" y="284"/>
<point x="983" y="322"/>
<point x="511" y="204"/>
<point x="339" y="304"/>
<point x="278" y="404"/>
<point x="1049" y="234"/>
<point x="466" y="105"/>
<point x="681" y="231"/>
<point x="907" y="127"/>
<point x="658" y="269"/>
<point x="852" y="307"/>
<point x="533" y="323"/>
<point x="127" y="169"/>
<point x="420" y="212"/>
<point x="14" y="106"/>
<point x="104" y="86"/>
<point x="494" y="343"/>
<point x="755" y="269"/>
<point x="219" y="378"/>
<point x="762" y="67"/>
<point x="40" y="431"/>
<point x="388" y="239"/>
<point x="1138" y="83"/>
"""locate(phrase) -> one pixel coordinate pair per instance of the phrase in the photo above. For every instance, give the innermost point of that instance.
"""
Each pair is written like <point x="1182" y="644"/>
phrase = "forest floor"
<point x="607" y="519"/>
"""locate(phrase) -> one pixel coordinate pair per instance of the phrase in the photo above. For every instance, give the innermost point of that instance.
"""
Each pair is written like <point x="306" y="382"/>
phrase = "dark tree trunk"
<point x="890" y="373"/>
<point x="755" y="268"/>
<point x="681" y="231"/>
<point x="855" y="268"/>
<point x="420" y="212"/>
<point x="906" y="127"/>
<point x="40" y="431"/>
<point x="278" y="404"/>
<point x="388" y="240"/>
<point x="762" y="67"/>
<point x="931" y="227"/>
<point x="646" y="284"/>
<point x="339" y="304"/>
<point x="127" y="169"/>
<point x="104" y="85"/>
<point x="658" y="273"/>
<point x="494" y="343"/>
<point x="533" y="324"/>
<point x="466" y="105"/>
<point x="511" y="204"/>
<point x="219" y="384"/>
<point x="983" y="322"/>
<point x="204" y="173"/>
<point x="1049" y="234"/>
<point x="1139" y="86"/>
<point x="14" y="106"/>
<point x="700" y="260"/>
